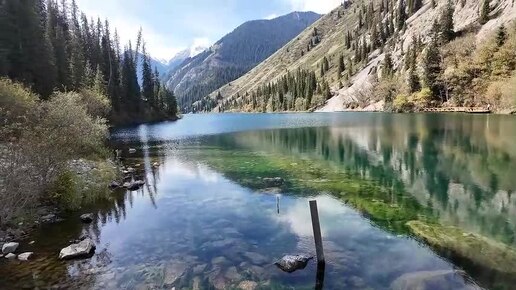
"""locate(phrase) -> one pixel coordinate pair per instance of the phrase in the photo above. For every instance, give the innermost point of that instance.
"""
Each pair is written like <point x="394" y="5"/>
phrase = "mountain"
<point x="181" y="56"/>
<point x="234" y="55"/>
<point x="386" y="55"/>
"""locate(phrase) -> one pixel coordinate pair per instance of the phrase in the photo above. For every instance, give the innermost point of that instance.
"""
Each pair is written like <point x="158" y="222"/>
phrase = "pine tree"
<point x="341" y="67"/>
<point x="401" y="15"/>
<point x="446" y="23"/>
<point x="26" y="52"/>
<point x="484" y="12"/>
<point x="501" y="35"/>
<point x="431" y="67"/>
<point x="388" y="66"/>
<point x="147" y="79"/>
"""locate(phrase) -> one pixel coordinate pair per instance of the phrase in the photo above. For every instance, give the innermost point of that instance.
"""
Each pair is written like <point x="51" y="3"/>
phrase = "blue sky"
<point x="170" y="26"/>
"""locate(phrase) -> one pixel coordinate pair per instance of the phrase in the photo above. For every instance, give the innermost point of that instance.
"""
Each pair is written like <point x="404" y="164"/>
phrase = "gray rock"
<point x="83" y="249"/>
<point x="430" y="280"/>
<point x="114" y="185"/>
<point x="247" y="285"/>
<point x="291" y="263"/>
<point x="132" y="150"/>
<point x="10" y="256"/>
<point x="87" y="218"/>
<point x="256" y="258"/>
<point x="273" y="181"/>
<point x="25" y="256"/>
<point x="199" y="269"/>
<point x="8" y="248"/>
<point x="232" y="274"/>
<point x="174" y="272"/>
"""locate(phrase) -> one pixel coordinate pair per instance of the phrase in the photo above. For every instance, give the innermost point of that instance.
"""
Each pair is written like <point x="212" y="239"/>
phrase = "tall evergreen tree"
<point x="341" y="66"/>
<point x="431" y="66"/>
<point x="446" y="23"/>
<point x="501" y="35"/>
<point x="401" y="15"/>
<point x="147" y="79"/>
<point x="484" y="12"/>
<point x="26" y="49"/>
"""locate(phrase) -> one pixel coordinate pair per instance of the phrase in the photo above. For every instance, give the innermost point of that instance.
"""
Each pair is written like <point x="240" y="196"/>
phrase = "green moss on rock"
<point x="476" y="248"/>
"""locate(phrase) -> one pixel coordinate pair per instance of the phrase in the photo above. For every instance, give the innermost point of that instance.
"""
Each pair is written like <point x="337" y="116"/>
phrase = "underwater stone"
<point x="292" y="263"/>
<point x="174" y="272"/>
<point x="483" y="251"/>
<point x="247" y="285"/>
<point x="8" y="248"/>
<point x="273" y="181"/>
<point x="450" y="279"/>
<point x="256" y="258"/>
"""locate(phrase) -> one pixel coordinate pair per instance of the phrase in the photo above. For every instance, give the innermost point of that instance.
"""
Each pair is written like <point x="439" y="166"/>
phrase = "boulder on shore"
<point x="291" y="263"/>
<point x="25" y="256"/>
<point x="8" y="248"/>
<point x="83" y="249"/>
<point x="87" y="218"/>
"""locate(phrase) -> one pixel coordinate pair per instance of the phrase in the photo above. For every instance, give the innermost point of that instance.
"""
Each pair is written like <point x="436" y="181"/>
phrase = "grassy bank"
<point x="41" y="143"/>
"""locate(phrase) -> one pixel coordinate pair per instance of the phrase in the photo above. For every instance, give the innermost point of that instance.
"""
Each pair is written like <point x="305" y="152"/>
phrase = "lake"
<point x="405" y="201"/>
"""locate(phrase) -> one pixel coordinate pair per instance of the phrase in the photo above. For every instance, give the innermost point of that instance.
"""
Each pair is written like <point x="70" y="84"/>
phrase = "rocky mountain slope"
<point x="234" y="55"/>
<point x="347" y="49"/>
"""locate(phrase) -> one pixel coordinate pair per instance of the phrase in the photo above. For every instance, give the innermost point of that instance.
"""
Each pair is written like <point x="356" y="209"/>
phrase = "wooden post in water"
<point x="317" y="231"/>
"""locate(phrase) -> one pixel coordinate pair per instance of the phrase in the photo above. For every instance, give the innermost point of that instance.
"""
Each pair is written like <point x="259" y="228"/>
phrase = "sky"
<point x="170" y="26"/>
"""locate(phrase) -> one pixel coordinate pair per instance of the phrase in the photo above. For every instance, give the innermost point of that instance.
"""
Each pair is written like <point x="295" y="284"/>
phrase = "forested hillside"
<point x="234" y="55"/>
<point x="52" y="46"/>
<point x="387" y="55"/>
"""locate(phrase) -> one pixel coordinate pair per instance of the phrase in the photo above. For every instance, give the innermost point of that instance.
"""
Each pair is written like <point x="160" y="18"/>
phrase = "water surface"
<point x="207" y="220"/>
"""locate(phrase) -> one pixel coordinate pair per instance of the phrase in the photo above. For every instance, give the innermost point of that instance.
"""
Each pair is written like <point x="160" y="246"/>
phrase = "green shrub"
<point x="64" y="191"/>
<point x="97" y="104"/>
<point x="16" y="103"/>
<point x="423" y="98"/>
<point x="402" y="103"/>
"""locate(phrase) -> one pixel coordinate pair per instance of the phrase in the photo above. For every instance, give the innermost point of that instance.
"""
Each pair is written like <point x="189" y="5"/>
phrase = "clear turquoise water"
<point x="213" y="225"/>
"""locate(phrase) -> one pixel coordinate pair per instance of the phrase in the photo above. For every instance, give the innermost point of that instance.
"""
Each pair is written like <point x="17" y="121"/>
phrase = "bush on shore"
<point x="39" y="138"/>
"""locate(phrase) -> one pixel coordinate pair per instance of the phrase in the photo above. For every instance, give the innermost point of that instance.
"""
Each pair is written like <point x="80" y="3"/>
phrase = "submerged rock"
<point x="290" y="263"/>
<point x="273" y="181"/>
<point x="10" y="256"/>
<point x="83" y="249"/>
<point x="25" y="256"/>
<point x="433" y="280"/>
<point x="8" y="248"/>
<point x="247" y="285"/>
<point x="482" y="251"/>
<point x="256" y="258"/>
<point x="87" y="218"/>
<point x="173" y="272"/>
<point x="132" y="150"/>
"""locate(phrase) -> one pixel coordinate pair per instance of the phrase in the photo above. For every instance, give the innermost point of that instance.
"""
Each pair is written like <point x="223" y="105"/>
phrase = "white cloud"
<point x="319" y="6"/>
<point x="271" y="16"/>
